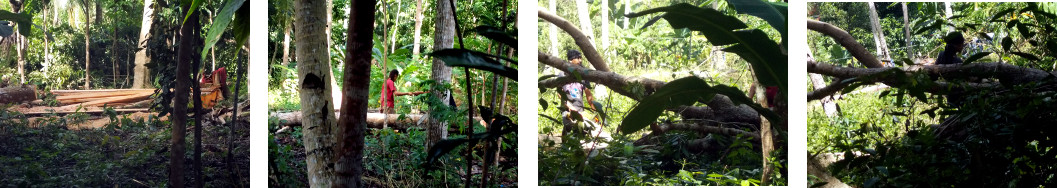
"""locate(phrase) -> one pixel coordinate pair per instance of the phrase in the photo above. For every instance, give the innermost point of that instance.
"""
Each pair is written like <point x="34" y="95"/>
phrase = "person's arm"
<point x="409" y="93"/>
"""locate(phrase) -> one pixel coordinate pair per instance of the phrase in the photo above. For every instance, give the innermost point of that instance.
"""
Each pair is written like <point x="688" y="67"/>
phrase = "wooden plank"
<point x="99" y="95"/>
<point x="119" y="111"/>
<point x="125" y="99"/>
<point x="77" y="92"/>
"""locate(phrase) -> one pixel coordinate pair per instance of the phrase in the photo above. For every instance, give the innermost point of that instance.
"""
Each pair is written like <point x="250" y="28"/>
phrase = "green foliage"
<point x="44" y="152"/>
<point x="240" y="28"/>
<point x="475" y="60"/>
<point x="23" y="20"/>
<point x="753" y="45"/>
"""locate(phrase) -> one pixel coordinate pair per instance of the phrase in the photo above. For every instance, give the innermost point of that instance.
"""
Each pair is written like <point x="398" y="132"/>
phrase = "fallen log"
<point x="374" y="120"/>
<point x="17" y="94"/>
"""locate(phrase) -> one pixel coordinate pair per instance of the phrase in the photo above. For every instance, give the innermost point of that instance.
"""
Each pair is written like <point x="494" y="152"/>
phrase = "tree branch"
<point x="827" y="91"/>
<point x="701" y="128"/>
<point x="1005" y="73"/>
<point x="847" y="41"/>
<point x="720" y="108"/>
<point x="582" y="40"/>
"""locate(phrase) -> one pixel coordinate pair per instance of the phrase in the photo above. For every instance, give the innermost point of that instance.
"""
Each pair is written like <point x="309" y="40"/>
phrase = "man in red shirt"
<point x="389" y="93"/>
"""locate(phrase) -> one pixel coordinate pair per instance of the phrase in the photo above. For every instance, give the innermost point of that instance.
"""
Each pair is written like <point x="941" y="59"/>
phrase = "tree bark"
<point x="392" y="38"/>
<point x="141" y="73"/>
<point x="352" y="122"/>
<point x="286" y="45"/>
<point x="17" y="94"/>
<point x="196" y="91"/>
<point x="582" y="11"/>
<point x="847" y="41"/>
<point x="878" y="33"/>
<point x="88" y="45"/>
<point x="179" y="112"/>
<point x="828" y="104"/>
<point x="444" y="38"/>
<point x="906" y="29"/>
<point x="314" y="72"/>
<point x="418" y="27"/>
<point x="719" y="109"/>
<point x="582" y="40"/>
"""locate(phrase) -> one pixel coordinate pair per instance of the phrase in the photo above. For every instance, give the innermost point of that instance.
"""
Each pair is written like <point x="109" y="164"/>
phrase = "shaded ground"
<point x="81" y="150"/>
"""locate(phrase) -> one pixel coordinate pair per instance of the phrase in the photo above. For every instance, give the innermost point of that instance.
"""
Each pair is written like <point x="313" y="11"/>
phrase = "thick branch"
<point x="582" y="40"/>
<point x="857" y="50"/>
<point x="1002" y="72"/>
<point x="820" y="93"/>
<point x="720" y="108"/>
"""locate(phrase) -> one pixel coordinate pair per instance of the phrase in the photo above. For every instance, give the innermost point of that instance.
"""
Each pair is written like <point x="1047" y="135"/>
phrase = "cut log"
<point x="374" y="120"/>
<point x="17" y="94"/>
<point x="121" y="100"/>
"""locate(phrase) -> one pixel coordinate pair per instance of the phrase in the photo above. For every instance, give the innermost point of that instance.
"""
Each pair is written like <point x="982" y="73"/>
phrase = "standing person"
<point x="575" y="94"/>
<point x="389" y="93"/>
<point x="955" y="44"/>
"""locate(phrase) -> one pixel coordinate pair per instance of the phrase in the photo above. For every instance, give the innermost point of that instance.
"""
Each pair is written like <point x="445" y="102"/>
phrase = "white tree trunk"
<point x="879" y="37"/>
<point x="627" y="10"/>
<point x="418" y="27"/>
<point x="906" y="29"/>
<point x="583" y="12"/>
<point x="286" y="45"/>
<point x="314" y="72"/>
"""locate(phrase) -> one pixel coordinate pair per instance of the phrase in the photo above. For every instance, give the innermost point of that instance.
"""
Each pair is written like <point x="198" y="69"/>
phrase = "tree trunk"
<point x="179" y="112"/>
<point x="949" y="13"/>
<point x="286" y="45"/>
<point x="766" y="137"/>
<point x="906" y="29"/>
<point x="113" y="55"/>
<point x="392" y="38"/>
<point x="554" y="31"/>
<point x="878" y="34"/>
<point x="87" y="46"/>
<point x="20" y="49"/>
<point x="141" y="74"/>
<point x="583" y="11"/>
<point x="196" y="91"/>
<point x="444" y="38"/>
<point x="352" y="122"/>
<point x="314" y="71"/>
<point x="418" y="27"/>
<point x="828" y="103"/>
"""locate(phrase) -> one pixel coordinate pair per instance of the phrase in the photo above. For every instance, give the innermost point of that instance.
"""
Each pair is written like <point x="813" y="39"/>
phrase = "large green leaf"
<point x="23" y="21"/>
<point x="220" y="24"/>
<point x="767" y="59"/>
<point x="497" y="35"/>
<point x="683" y="91"/>
<point x="474" y="60"/>
<point x="772" y="12"/>
<point x="975" y="57"/>
<point x="194" y="7"/>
